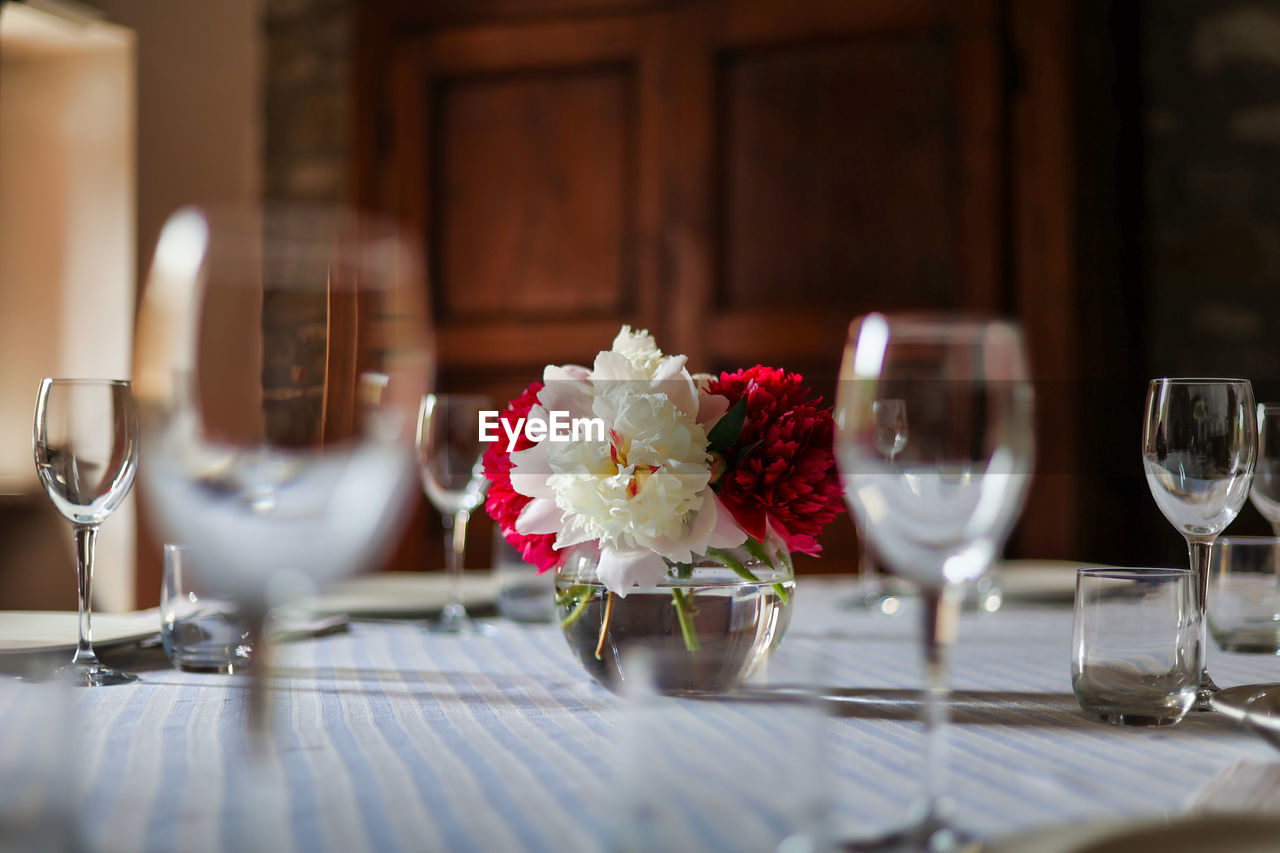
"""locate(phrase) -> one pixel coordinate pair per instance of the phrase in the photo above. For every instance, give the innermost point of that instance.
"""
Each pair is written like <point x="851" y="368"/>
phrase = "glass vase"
<point x="705" y="627"/>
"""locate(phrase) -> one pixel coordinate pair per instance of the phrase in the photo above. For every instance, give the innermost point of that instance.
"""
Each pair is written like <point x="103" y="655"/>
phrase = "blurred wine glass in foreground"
<point x="86" y="447"/>
<point x="449" y="451"/>
<point x="938" y="508"/>
<point x="281" y="356"/>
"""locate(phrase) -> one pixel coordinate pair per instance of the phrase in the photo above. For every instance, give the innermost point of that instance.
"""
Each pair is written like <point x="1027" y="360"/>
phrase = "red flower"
<point x="781" y="473"/>
<point x="503" y="502"/>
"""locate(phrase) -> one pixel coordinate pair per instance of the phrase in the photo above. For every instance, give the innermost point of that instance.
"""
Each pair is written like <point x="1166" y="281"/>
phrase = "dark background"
<point x="746" y="177"/>
<point x="1106" y="172"/>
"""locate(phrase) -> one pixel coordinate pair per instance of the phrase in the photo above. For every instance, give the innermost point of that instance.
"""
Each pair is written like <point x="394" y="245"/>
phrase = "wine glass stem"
<point x="86" y="539"/>
<point x="258" y="700"/>
<point x="1200" y="551"/>
<point x="868" y="572"/>
<point x="453" y="553"/>
<point x="941" y="614"/>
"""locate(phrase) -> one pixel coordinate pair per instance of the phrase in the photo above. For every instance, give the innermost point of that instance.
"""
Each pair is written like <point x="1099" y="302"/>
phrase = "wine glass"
<point x="1265" y="491"/>
<point x="86" y="449"/>
<point x="1199" y="445"/>
<point x="449" y="457"/>
<point x="891" y="426"/>
<point x="891" y="436"/>
<point x="281" y="356"/>
<point x="938" y="509"/>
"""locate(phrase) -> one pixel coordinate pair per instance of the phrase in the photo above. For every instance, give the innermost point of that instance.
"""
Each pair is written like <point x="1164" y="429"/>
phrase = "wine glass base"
<point x="222" y="667"/>
<point x="461" y="625"/>
<point x="1204" y="696"/>
<point x="931" y="835"/>
<point x="94" y="675"/>
<point x="874" y="595"/>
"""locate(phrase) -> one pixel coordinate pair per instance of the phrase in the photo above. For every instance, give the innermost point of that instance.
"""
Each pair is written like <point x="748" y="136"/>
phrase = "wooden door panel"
<point x="837" y="165"/>
<point x="853" y="168"/>
<point x="534" y="203"/>
<point x="520" y="162"/>
<point x="740" y="177"/>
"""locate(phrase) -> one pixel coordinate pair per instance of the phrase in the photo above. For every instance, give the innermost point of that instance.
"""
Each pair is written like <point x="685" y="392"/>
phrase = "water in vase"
<point x="704" y="636"/>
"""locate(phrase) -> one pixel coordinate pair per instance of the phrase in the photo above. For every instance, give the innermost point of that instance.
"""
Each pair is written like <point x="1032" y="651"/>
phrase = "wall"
<point x="1211" y="219"/>
<point x="1212" y="85"/>
<point x="199" y="126"/>
<point x="307" y="99"/>
<point x="66" y="271"/>
<point x="199" y="104"/>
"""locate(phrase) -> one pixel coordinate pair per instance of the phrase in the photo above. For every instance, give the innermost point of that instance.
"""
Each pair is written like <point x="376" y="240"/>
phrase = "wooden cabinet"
<point x="742" y="178"/>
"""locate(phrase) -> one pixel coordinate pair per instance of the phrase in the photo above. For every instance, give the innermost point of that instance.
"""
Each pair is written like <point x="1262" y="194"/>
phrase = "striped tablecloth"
<point x="390" y="738"/>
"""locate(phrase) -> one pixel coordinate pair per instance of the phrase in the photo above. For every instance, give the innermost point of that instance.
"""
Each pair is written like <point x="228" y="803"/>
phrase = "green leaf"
<point x="728" y="429"/>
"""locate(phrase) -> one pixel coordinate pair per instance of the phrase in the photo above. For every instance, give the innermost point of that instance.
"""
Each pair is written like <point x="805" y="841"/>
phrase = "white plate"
<point x="1043" y="581"/>
<point x="1038" y="580"/>
<point x="403" y="594"/>
<point x="28" y="631"/>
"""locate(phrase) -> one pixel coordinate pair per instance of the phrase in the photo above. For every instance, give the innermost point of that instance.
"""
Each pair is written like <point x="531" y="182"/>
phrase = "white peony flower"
<point x="639" y="348"/>
<point x="638" y="488"/>
<point x="643" y="494"/>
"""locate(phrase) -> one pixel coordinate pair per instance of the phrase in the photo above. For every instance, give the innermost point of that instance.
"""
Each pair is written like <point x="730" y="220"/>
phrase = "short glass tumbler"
<point x="1135" y="649"/>
<point x="200" y="632"/>
<point x="1244" y="594"/>
<point x="525" y="594"/>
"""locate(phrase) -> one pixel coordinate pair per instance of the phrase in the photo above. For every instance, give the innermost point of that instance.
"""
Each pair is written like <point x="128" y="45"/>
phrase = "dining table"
<point x="386" y="736"/>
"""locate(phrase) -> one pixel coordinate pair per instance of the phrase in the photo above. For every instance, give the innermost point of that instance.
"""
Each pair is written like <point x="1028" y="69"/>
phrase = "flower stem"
<point x="685" y="617"/>
<point x="604" y="625"/>
<point x="582" y="593"/>
<point x="756" y="549"/>
<point x="729" y="561"/>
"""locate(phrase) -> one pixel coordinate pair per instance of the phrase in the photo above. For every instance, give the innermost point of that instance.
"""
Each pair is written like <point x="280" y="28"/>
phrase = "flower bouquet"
<point x="667" y="503"/>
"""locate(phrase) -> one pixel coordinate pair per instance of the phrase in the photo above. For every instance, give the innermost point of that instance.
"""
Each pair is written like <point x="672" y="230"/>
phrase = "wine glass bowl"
<point x="449" y="459"/>
<point x="282" y="352"/>
<point x="1199" y="447"/>
<point x="891" y="426"/>
<point x="936" y="506"/>
<point x="85" y="442"/>
<point x="956" y="486"/>
<point x="449" y="451"/>
<point x="1265" y="491"/>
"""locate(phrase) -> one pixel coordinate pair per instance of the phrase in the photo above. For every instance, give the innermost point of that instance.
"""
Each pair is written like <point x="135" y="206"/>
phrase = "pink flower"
<point x="504" y="503"/>
<point x="781" y="473"/>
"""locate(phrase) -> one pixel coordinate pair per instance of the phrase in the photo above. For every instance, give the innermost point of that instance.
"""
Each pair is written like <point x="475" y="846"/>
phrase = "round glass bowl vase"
<point x="703" y="629"/>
